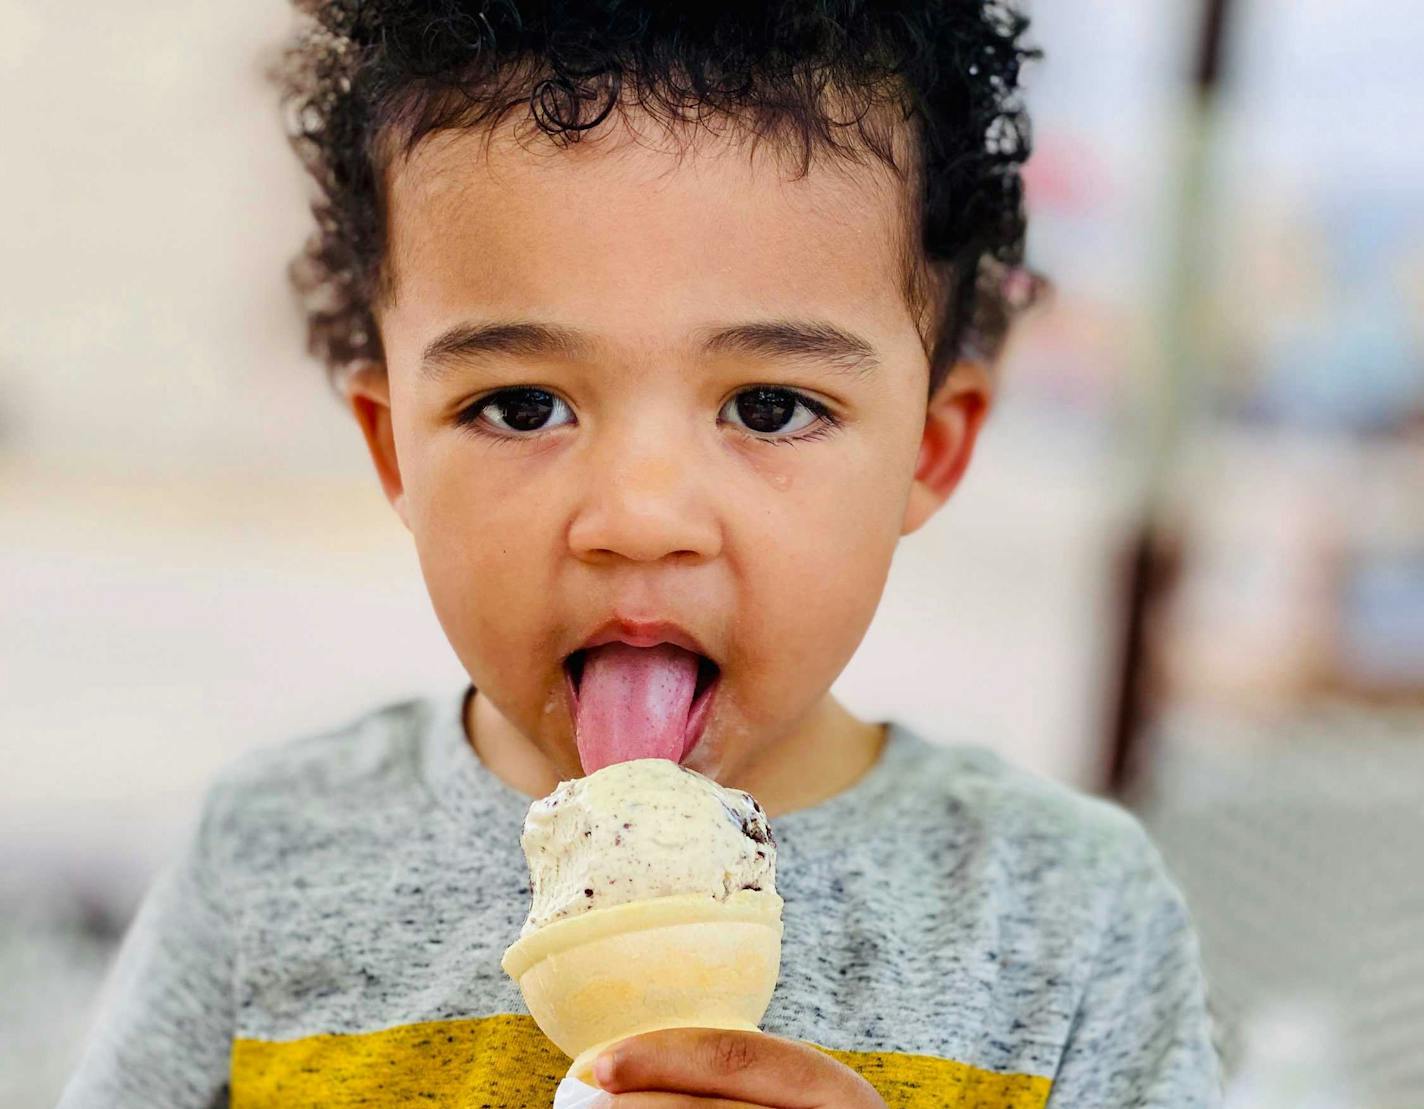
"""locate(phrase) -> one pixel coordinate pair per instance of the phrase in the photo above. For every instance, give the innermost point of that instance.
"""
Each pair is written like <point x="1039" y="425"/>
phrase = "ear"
<point x="952" y="422"/>
<point x="368" y="391"/>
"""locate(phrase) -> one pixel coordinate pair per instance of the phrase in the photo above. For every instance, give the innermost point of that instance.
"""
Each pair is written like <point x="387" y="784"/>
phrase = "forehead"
<point x="642" y="239"/>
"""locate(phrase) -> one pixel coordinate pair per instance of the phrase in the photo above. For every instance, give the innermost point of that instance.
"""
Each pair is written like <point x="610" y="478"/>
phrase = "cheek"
<point x="483" y="549"/>
<point x="837" y="513"/>
<point x="481" y="509"/>
<point x="815" y="563"/>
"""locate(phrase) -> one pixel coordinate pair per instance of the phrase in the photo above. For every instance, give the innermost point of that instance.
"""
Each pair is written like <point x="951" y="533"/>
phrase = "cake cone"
<point x="683" y="961"/>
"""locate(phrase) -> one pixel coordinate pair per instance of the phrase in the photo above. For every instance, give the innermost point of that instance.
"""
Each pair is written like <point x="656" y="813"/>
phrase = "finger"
<point x="742" y="1066"/>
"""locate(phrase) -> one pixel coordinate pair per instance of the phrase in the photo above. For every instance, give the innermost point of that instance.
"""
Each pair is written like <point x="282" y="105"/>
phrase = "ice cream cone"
<point x="682" y="961"/>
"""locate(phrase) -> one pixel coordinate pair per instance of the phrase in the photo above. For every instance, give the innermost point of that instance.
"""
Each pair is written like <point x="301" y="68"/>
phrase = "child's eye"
<point x="773" y="413"/>
<point x="519" y="411"/>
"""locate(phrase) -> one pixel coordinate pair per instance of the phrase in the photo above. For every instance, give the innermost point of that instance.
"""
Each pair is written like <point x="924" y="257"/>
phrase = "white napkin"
<point x="573" y="1094"/>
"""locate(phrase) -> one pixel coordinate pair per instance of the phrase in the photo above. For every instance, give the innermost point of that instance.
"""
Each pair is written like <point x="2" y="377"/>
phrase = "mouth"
<point x="709" y="676"/>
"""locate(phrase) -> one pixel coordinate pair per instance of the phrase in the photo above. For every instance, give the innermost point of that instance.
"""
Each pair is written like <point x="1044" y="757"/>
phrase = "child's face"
<point x="634" y="484"/>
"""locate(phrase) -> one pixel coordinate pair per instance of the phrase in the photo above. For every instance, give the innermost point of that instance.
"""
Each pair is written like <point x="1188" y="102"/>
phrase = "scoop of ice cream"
<point x="640" y="829"/>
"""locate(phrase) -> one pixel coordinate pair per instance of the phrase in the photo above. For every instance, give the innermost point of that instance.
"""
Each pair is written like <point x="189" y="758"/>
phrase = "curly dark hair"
<point x="364" y="81"/>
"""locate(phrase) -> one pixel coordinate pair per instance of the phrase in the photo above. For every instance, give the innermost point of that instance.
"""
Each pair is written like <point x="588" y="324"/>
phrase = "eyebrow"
<point x="811" y="341"/>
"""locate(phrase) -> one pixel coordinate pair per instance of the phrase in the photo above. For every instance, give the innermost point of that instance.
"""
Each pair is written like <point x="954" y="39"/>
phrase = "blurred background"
<point x="1187" y="570"/>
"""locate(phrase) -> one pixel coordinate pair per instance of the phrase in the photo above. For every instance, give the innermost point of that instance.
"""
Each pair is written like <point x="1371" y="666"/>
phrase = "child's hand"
<point x="709" y="1067"/>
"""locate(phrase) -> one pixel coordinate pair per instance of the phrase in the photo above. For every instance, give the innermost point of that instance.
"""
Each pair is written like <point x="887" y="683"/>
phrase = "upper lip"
<point x="644" y="633"/>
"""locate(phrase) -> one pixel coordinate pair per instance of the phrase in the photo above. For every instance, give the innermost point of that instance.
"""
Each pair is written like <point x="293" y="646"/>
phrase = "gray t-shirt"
<point x="958" y="931"/>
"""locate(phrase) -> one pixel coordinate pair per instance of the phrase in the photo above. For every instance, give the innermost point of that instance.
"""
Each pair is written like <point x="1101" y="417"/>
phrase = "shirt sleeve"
<point x="164" y="1027"/>
<point x="1142" y="1035"/>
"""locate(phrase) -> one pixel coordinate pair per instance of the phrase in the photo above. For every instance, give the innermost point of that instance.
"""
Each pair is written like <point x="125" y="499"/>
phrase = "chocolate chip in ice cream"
<point x="756" y="830"/>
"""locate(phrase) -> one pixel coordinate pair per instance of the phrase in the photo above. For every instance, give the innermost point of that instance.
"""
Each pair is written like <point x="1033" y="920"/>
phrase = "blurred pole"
<point x="1153" y="553"/>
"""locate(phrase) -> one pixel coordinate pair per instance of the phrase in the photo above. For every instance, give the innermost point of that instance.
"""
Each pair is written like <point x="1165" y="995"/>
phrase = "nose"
<point x="643" y="500"/>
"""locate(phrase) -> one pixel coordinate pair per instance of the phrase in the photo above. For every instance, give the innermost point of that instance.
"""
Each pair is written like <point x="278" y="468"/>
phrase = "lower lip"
<point x="697" y="717"/>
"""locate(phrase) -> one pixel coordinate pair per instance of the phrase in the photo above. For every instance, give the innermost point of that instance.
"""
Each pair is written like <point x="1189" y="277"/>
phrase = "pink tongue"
<point x="633" y="703"/>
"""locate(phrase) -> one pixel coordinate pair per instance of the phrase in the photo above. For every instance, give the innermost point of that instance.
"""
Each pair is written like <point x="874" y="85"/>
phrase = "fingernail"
<point x="604" y="1066"/>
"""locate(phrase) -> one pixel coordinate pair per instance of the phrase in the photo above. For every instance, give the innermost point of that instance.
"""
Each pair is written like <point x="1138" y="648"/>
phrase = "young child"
<point x="663" y="324"/>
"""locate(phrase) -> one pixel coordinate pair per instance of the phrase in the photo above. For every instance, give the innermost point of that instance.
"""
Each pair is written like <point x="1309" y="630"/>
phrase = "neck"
<point x="825" y="754"/>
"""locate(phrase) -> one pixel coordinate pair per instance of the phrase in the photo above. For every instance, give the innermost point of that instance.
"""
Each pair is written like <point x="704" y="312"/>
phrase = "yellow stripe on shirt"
<point x="905" y="1080"/>
<point x="505" y="1062"/>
